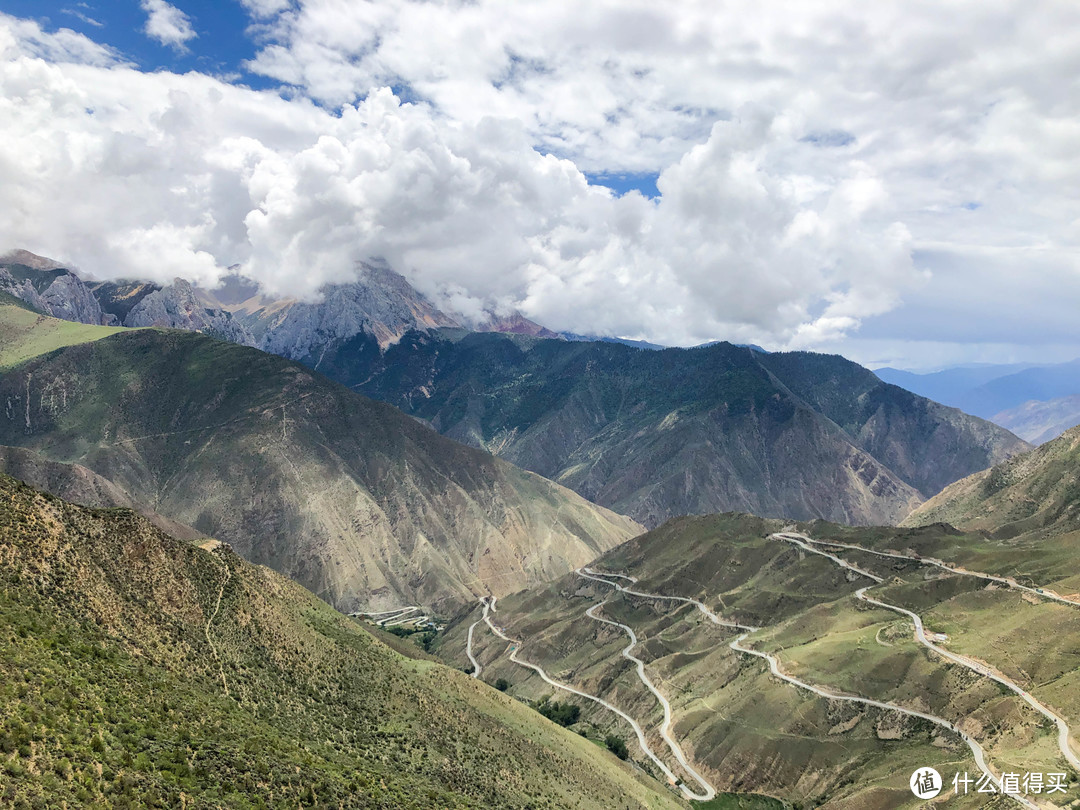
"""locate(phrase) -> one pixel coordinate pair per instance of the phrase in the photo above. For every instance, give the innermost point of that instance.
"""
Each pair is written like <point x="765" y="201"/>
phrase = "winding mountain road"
<point x="985" y="671"/>
<point x="1042" y="593"/>
<point x="708" y="791"/>
<point x="596" y="576"/>
<point x="638" y="731"/>
<point x="469" y="638"/>
<point x="1064" y="745"/>
<point x="391" y="617"/>
<point x="976" y="749"/>
<point x="807" y="544"/>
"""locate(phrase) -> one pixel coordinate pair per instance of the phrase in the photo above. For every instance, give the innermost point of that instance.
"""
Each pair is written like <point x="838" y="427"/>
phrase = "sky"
<point x="896" y="182"/>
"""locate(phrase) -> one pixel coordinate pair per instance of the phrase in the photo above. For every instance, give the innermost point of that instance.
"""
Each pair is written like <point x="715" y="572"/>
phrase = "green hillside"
<point x="657" y="434"/>
<point x="137" y="670"/>
<point x="1036" y="494"/>
<point x="25" y="334"/>
<point x="749" y="732"/>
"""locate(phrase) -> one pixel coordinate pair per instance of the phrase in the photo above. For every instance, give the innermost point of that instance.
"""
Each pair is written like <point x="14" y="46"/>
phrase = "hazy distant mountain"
<point x="988" y="390"/>
<point x="1039" y="422"/>
<point x="655" y="434"/>
<point x="359" y="502"/>
<point x="948" y="386"/>
<point x="1039" y="383"/>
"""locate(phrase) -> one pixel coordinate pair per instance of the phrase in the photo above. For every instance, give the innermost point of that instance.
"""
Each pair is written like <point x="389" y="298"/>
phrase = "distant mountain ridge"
<point x="1039" y="422"/>
<point x="1007" y="395"/>
<point x="656" y="434"/>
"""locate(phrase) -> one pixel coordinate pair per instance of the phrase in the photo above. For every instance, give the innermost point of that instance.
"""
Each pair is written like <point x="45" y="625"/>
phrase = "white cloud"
<point x="804" y="155"/>
<point x="167" y="24"/>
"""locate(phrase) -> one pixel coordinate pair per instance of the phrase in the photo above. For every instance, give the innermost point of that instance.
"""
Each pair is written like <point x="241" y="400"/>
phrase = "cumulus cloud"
<point x="167" y="24"/>
<point x="814" y="166"/>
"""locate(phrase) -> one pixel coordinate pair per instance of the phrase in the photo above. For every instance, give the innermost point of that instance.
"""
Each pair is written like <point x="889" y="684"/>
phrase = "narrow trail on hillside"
<point x="210" y="620"/>
<point x="643" y="743"/>
<point x="1064" y="746"/>
<point x="1041" y="593"/>
<point x="708" y="791"/>
<point x="251" y="413"/>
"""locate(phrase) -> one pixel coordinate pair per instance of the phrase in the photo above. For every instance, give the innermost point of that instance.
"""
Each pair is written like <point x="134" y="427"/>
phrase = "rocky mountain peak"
<point x="177" y="306"/>
<point x="46" y="285"/>
<point x="380" y="302"/>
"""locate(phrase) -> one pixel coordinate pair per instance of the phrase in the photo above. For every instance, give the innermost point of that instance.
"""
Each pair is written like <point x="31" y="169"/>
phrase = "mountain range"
<point x="656" y="434"/>
<point x="376" y="453"/>
<point x="1037" y="402"/>
<point x="650" y="434"/>
<point x="364" y="505"/>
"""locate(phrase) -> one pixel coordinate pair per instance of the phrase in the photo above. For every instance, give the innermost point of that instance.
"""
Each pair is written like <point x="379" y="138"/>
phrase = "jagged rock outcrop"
<point x="514" y="323"/>
<point x="49" y="287"/>
<point x="118" y="298"/>
<point x="380" y="303"/>
<point x="179" y="307"/>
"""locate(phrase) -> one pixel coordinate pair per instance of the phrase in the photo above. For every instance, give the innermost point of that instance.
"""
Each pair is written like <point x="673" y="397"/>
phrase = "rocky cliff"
<point x="50" y="288"/>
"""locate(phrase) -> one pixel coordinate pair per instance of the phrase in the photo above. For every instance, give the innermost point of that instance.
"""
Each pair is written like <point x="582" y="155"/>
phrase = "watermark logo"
<point x="926" y="783"/>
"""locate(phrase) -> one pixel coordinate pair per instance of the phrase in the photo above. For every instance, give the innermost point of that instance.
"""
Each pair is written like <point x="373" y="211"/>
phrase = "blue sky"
<point x="224" y="42"/>
<point x="220" y="46"/>
<point x="837" y="176"/>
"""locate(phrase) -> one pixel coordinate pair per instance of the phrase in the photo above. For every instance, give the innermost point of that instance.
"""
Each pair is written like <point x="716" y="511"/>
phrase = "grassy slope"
<point x="25" y="334"/>
<point x="749" y="732"/>
<point x="1034" y="494"/>
<point x="110" y="693"/>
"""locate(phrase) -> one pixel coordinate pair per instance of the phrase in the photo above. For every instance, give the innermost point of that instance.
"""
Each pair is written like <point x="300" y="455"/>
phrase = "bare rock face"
<point x="381" y="303"/>
<point x="515" y="323"/>
<point x="178" y="307"/>
<point x="49" y="287"/>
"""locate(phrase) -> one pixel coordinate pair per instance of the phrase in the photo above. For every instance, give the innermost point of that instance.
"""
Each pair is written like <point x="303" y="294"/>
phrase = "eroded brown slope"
<point x="360" y="503"/>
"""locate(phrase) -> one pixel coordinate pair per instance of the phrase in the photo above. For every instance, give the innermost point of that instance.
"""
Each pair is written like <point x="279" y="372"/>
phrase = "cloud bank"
<point x="817" y="165"/>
